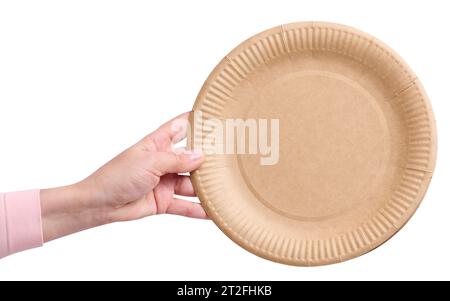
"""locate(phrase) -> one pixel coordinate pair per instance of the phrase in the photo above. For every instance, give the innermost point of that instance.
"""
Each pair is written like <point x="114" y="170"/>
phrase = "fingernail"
<point x="195" y="154"/>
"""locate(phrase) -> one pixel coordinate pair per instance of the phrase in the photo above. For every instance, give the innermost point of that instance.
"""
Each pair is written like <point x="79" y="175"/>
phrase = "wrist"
<point x="70" y="209"/>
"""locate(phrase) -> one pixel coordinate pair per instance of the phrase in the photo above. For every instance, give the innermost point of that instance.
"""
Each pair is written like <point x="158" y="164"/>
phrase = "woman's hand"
<point x="139" y="182"/>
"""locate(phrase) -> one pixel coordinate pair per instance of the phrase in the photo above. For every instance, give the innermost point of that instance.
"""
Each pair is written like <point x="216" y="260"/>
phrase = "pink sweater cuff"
<point x="20" y="221"/>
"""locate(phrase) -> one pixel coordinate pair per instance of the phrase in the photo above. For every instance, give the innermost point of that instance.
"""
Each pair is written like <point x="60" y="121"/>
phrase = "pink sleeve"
<point x="20" y="221"/>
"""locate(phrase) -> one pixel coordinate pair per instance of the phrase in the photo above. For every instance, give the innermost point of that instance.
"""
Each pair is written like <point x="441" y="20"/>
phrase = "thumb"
<point x="177" y="161"/>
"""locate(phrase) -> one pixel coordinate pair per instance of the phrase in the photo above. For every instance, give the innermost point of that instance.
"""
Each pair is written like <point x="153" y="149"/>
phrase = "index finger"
<point x="170" y="132"/>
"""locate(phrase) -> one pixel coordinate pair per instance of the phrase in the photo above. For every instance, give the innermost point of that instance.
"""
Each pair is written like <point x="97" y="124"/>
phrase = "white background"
<point x="82" y="80"/>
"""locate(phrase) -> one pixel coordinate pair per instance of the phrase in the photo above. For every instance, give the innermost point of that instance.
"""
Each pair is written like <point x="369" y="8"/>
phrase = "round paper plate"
<point x="337" y="148"/>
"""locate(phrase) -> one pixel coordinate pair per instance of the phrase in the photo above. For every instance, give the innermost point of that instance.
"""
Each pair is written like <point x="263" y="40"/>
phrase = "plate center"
<point x="333" y="146"/>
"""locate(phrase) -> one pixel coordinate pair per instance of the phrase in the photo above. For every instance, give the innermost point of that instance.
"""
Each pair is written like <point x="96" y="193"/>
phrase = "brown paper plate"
<point x="357" y="144"/>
